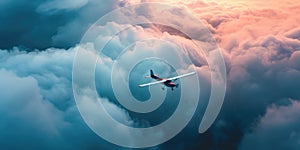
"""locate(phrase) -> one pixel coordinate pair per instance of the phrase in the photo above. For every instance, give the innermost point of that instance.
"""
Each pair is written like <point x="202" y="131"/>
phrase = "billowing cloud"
<point x="26" y="115"/>
<point x="259" y="39"/>
<point x="260" y="42"/>
<point x="51" y="71"/>
<point x="50" y="23"/>
<point x="278" y="129"/>
<point x="37" y="106"/>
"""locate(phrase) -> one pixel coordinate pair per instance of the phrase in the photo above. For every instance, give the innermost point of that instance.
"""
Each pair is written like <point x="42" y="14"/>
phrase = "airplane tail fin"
<point x="152" y="74"/>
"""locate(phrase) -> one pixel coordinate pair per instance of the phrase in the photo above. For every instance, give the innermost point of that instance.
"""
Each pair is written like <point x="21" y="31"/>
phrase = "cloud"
<point x="294" y="34"/>
<point x="294" y="60"/>
<point x="45" y="24"/>
<point x="260" y="44"/>
<point x="53" y="6"/>
<point x="130" y="56"/>
<point x="51" y="71"/>
<point x="26" y="115"/>
<point x="37" y="106"/>
<point x="260" y="71"/>
<point x="280" y="125"/>
<point x="52" y="74"/>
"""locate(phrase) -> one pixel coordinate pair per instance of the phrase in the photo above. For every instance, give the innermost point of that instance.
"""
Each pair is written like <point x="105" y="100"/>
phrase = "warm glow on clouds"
<point x="238" y="24"/>
<point x="260" y="41"/>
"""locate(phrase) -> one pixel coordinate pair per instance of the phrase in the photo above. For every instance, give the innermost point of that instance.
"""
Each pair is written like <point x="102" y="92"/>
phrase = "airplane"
<point x="168" y="82"/>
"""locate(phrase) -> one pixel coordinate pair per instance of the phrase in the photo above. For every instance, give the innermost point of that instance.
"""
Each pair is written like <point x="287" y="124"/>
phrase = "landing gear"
<point x="172" y="88"/>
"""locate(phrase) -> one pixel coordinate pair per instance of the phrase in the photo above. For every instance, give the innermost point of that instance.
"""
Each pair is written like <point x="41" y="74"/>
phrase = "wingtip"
<point x="191" y="73"/>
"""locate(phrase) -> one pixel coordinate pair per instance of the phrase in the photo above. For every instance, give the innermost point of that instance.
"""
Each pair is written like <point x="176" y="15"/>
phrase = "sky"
<point x="259" y="41"/>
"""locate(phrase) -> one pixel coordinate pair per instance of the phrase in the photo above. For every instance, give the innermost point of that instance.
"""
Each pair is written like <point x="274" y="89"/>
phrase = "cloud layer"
<point x="50" y="23"/>
<point x="280" y="125"/>
<point x="37" y="106"/>
<point x="260" y="42"/>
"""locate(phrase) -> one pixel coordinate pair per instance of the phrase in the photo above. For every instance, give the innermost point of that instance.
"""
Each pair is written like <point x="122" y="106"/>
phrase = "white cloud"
<point x="36" y="102"/>
<point x="25" y="114"/>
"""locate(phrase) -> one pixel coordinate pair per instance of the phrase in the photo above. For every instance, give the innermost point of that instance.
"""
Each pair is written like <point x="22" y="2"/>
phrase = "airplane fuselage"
<point x="167" y="83"/>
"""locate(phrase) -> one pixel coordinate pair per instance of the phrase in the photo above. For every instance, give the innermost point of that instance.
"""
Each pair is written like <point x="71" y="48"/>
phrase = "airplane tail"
<point x="152" y="74"/>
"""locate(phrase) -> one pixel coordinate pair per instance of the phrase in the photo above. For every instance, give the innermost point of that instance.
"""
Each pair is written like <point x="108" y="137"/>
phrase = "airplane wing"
<point x="173" y="78"/>
<point x="151" y="83"/>
<point x="181" y="76"/>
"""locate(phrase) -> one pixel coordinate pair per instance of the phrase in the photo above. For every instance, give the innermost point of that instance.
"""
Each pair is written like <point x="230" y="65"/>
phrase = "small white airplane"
<point x="169" y="82"/>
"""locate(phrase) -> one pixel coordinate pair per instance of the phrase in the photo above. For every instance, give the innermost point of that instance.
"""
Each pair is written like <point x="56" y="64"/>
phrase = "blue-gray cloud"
<point x="277" y="129"/>
<point x="43" y="24"/>
<point x="37" y="106"/>
<point x="25" y="115"/>
<point x="50" y="73"/>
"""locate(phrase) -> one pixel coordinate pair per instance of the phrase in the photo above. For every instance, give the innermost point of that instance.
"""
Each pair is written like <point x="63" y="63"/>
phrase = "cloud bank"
<point x="260" y="42"/>
<point x="280" y="125"/>
<point x="37" y="106"/>
<point x="43" y="24"/>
